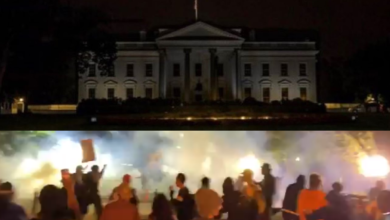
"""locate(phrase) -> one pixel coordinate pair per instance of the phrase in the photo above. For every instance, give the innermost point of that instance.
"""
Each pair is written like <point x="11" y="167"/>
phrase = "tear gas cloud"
<point x="160" y="155"/>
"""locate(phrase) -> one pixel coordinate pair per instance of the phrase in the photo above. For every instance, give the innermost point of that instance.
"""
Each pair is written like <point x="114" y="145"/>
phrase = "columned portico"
<point x="162" y="76"/>
<point x="187" y="80"/>
<point x="203" y="62"/>
<point x="238" y="74"/>
<point x="213" y="75"/>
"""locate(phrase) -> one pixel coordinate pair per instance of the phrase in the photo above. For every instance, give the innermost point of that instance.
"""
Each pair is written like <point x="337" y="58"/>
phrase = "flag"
<point x="88" y="150"/>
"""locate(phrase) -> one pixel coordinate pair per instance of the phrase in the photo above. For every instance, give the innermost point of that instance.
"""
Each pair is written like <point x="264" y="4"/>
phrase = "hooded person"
<point x="208" y="202"/>
<point x="268" y="186"/>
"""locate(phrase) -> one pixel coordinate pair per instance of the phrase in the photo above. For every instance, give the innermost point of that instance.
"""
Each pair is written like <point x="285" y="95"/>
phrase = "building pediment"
<point x="199" y="31"/>
<point x="303" y="81"/>
<point x="265" y="81"/>
<point x="90" y="82"/>
<point x="284" y="82"/>
<point x="247" y="81"/>
<point x="130" y="81"/>
<point x="110" y="82"/>
<point x="150" y="82"/>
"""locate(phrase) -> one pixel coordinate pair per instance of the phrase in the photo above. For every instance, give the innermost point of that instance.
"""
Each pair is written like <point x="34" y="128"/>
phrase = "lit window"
<point x="266" y="95"/>
<point x="303" y="93"/>
<point x="284" y="93"/>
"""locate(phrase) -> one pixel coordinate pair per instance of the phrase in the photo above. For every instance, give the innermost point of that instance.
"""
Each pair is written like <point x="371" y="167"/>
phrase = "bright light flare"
<point x="374" y="166"/>
<point x="248" y="162"/>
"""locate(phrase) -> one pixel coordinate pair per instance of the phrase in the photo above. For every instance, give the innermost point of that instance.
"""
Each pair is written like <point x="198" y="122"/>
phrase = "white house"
<point x="204" y="62"/>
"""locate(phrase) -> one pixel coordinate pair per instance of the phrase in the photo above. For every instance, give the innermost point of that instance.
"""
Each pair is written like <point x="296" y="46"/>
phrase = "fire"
<point x="374" y="166"/>
<point x="248" y="162"/>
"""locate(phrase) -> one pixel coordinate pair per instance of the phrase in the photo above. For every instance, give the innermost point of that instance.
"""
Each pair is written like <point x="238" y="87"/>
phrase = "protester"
<point x="230" y="200"/>
<point x="81" y="190"/>
<point x="312" y="199"/>
<point x="183" y="203"/>
<point x="251" y="190"/>
<point x="374" y="192"/>
<point x="339" y="207"/>
<point x="92" y="182"/>
<point x="207" y="201"/>
<point x="53" y="202"/>
<point x="291" y="197"/>
<point x="161" y="208"/>
<point x="125" y="191"/>
<point x="8" y="209"/>
<point x="268" y="186"/>
<point x="120" y="209"/>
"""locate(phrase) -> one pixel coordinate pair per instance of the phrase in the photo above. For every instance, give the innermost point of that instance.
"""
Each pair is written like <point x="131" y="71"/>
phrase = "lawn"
<point x="328" y="121"/>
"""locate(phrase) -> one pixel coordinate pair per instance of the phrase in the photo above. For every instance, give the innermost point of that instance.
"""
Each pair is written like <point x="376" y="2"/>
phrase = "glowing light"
<point x="243" y="118"/>
<point x="21" y="100"/>
<point x="181" y="135"/>
<point x="189" y="119"/>
<point x="297" y="159"/>
<point x="374" y="166"/>
<point x="178" y="147"/>
<point x="248" y="162"/>
<point x="206" y="164"/>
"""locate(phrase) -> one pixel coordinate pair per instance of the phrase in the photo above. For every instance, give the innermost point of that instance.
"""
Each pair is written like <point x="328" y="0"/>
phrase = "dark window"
<point x="149" y="70"/>
<point x="176" y="70"/>
<point x="266" y="95"/>
<point x="284" y="93"/>
<point x="220" y="70"/>
<point x="91" y="93"/>
<point x="130" y="70"/>
<point x="248" y="69"/>
<point x="198" y="69"/>
<point x="248" y="92"/>
<point x="130" y="93"/>
<point x="111" y="71"/>
<point x="176" y="93"/>
<point x="110" y="93"/>
<point x="220" y="93"/>
<point x="149" y="93"/>
<point x="92" y="70"/>
<point x="302" y="69"/>
<point x="265" y="67"/>
<point x="198" y="98"/>
<point x="284" y="70"/>
<point x="303" y="92"/>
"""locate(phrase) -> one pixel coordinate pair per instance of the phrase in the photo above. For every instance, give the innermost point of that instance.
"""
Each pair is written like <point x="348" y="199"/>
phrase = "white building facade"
<point x="202" y="62"/>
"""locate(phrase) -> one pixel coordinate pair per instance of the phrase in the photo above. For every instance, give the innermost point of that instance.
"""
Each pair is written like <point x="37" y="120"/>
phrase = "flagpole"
<point x="196" y="9"/>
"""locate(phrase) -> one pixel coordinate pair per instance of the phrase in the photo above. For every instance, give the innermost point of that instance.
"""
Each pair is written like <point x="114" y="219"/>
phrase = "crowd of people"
<point x="243" y="199"/>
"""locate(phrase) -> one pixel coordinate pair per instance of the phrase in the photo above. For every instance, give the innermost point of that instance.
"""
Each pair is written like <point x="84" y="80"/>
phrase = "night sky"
<point x="344" y="25"/>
